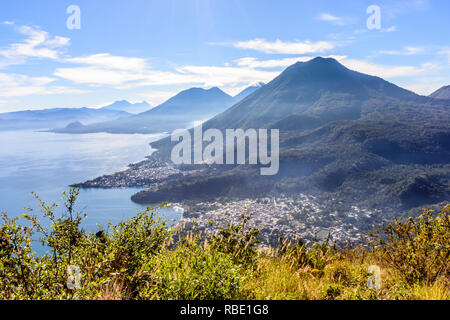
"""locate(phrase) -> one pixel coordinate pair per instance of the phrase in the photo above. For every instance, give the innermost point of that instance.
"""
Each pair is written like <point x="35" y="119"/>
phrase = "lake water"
<point x="46" y="163"/>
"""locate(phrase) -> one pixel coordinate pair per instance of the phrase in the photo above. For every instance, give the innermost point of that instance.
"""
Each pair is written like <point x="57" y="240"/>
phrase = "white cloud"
<point x="38" y="44"/>
<point x="118" y="71"/>
<point x="97" y="76"/>
<point x="252" y="62"/>
<point x="106" y="60"/>
<point x="407" y="51"/>
<point x="17" y="85"/>
<point x="386" y="71"/>
<point x="125" y="73"/>
<point x="123" y="79"/>
<point x="281" y="47"/>
<point x="222" y="76"/>
<point x="332" y="18"/>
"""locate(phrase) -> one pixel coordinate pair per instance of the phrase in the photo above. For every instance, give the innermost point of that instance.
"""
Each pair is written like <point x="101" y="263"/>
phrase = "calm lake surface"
<point x="47" y="163"/>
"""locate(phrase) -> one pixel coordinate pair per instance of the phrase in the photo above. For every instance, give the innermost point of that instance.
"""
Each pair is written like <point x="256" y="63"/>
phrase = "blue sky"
<point x="149" y="50"/>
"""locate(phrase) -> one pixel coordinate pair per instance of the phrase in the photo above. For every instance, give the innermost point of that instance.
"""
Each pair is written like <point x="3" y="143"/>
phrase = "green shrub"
<point x="239" y="241"/>
<point x="134" y="242"/>
<point x="418" y="249"/>
<point x="194" y="271"/>
<point x="117" y="254"/>
<point x="16" y="259"/>
<point x="300" y="255"/>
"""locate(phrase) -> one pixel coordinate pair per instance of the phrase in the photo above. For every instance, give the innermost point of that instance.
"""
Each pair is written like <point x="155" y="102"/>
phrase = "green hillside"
<point x="343" y="135"/>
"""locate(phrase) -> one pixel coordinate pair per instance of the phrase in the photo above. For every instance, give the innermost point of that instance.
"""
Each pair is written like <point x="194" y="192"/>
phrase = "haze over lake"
<point x="48" y="163"/>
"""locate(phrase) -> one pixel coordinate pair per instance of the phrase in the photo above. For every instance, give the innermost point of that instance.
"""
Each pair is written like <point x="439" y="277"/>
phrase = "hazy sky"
<point x="149" y="50"/>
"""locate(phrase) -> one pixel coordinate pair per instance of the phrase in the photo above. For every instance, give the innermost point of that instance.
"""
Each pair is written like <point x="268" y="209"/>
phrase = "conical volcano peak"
<point x="323" y="60"/>
<point x="320" y="64"/>
<point x="322" y="88"/>
<point x="320" y="73"/>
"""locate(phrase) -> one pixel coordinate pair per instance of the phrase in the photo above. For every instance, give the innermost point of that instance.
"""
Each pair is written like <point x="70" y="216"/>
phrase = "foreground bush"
<point x="195" y="271"/>
<point x="140" y="258"/>
<point x="417" y="249"/>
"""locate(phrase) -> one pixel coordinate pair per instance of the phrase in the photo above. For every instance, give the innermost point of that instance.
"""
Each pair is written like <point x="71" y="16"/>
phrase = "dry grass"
<point x="342" y="279"/>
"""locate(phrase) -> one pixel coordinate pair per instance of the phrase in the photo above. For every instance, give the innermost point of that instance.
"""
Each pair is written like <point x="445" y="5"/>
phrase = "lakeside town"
<point x="303" y="216"/>
<point x="140" y="174"/>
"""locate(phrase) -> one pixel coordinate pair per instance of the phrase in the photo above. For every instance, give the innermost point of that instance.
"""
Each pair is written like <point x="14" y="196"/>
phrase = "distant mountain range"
<point x="343" y="135"/>
<point x="133" y="108"/>
<point x="442" y="93"/>
<point x="180" y="111"/>
<point x="49" y="118"/>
